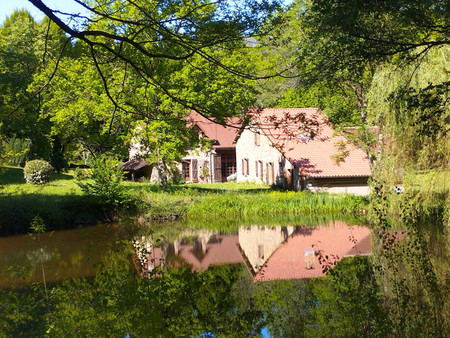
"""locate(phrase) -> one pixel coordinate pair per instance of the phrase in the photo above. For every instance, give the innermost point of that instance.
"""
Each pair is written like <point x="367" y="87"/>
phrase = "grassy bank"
<point x="246" y="201"/>
<point x="62" y="204"/>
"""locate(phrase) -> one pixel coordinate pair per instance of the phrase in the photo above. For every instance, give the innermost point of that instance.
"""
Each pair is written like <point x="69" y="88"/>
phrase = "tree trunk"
<point x="162" y="173"/>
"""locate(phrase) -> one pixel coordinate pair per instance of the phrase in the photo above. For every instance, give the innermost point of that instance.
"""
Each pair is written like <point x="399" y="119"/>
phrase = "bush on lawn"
<point x="37" y="172"/>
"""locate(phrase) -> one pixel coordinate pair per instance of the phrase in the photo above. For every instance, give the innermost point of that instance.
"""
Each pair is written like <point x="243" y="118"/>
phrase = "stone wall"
<point x="350" y="185"/>
<point x="258" y="154"/>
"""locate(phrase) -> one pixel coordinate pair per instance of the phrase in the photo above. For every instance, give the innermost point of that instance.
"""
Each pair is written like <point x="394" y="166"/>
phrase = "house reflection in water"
<point x="298" y="255"/>
<point x="257" y="244"/>
<point x="205" y="250"/>
<point x="269" y="253"/>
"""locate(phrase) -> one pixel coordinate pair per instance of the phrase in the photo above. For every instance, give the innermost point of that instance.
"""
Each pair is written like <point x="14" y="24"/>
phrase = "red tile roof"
<point x="337" y="240"/>
<point x="307" y="140"/>
<point x="224" y="135"/>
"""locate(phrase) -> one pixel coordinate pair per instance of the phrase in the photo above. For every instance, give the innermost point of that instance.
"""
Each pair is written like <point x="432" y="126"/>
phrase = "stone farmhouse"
<point x="298" y="149"/>
<point x="199" y="165"/>
<point x="291" y="147"/>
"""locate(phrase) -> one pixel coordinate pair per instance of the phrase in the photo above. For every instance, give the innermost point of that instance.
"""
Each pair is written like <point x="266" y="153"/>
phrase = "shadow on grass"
<point x="11" y="175"/>
<point x="14" y="175"/>
<point x="60" y="176"/>
<point x="58" y="212"/>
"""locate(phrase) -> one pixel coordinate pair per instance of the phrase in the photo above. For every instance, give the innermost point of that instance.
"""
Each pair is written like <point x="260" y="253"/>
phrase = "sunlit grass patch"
<point x="12" y="182"/>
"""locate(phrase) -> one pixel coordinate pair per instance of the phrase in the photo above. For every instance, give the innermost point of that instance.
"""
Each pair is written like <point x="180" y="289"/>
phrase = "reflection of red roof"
<point x="305" y="138"/>
<point x="336" y="241"/>
<point x="224" y="135"/>
<point x="223" y="250"/>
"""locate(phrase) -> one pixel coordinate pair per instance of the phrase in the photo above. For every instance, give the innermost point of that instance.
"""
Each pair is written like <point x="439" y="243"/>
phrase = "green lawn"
<point x="62" y="204"/>
<point x="12" y="181"/>
<point x="59" y="202"/>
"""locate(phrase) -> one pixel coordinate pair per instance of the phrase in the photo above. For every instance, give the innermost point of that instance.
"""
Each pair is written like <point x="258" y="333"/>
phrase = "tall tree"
<point x="26" y="49"/>
<point x="339" y="47"/>
<point x="152" y="39"/>
<point x="81" y="113"/>
<point x="19" y="61"/>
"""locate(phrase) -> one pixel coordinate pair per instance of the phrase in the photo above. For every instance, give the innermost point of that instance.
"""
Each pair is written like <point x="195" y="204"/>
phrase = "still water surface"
<point x="293" y="280"/>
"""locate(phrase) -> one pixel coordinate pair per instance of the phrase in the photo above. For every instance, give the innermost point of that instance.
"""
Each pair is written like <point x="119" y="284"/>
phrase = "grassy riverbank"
<point x="425" y="199"/>
<point x="62" y="204"/>
<point x="244" y="200"/>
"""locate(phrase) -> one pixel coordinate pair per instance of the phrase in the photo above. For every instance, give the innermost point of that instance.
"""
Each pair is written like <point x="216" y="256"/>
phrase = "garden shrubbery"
<point x="106" y="182"/>
<point x="37" y="172"/>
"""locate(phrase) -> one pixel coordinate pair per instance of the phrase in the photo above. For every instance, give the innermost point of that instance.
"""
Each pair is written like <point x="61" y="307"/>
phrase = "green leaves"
<point x="107" y="182"/>
<point x="81" y="112"/>
<point x="37" y="225"/>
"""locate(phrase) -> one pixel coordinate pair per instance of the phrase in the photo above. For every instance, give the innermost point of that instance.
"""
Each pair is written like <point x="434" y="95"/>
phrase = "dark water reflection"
<point x="332" y="279"/>
<point x="64" y="255"/>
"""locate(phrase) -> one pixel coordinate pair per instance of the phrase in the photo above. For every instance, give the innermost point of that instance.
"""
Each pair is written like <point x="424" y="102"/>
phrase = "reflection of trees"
<point x="177" y="304"/>
<point x="413" y="284"/>
<point x="398" y="291"/>
<point x="348" y="303"/>
<point x="394" y="292"/>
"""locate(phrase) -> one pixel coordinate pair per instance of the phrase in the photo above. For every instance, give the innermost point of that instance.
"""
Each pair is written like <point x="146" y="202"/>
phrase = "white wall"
<point x="350" y="185"/>
<point x="265" y="152"/>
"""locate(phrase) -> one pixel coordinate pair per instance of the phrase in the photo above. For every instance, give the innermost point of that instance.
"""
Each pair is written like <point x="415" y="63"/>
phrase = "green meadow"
<point x="62" y="204"/>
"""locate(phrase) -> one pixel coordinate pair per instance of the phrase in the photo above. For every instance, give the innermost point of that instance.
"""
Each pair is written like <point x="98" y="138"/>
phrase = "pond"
<point x="259" y="279"/>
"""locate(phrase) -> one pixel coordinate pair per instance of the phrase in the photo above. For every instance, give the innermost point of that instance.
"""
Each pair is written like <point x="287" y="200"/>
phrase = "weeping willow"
<point x="411" y="106"/>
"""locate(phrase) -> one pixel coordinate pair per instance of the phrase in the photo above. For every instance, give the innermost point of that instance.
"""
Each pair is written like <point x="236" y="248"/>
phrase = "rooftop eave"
<point x="337" y="176"/>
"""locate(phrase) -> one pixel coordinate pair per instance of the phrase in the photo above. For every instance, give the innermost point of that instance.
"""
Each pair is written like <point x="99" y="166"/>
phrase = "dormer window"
<point x="304" y="138"/>
<point x="197" y="130"/>
<point x="310" y="257"/>
<point x="261" y="251"/>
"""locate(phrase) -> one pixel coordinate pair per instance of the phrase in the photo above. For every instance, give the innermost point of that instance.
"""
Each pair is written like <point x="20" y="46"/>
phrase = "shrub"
<point x="37" y="172"/>
<point x="107" y="182"/>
